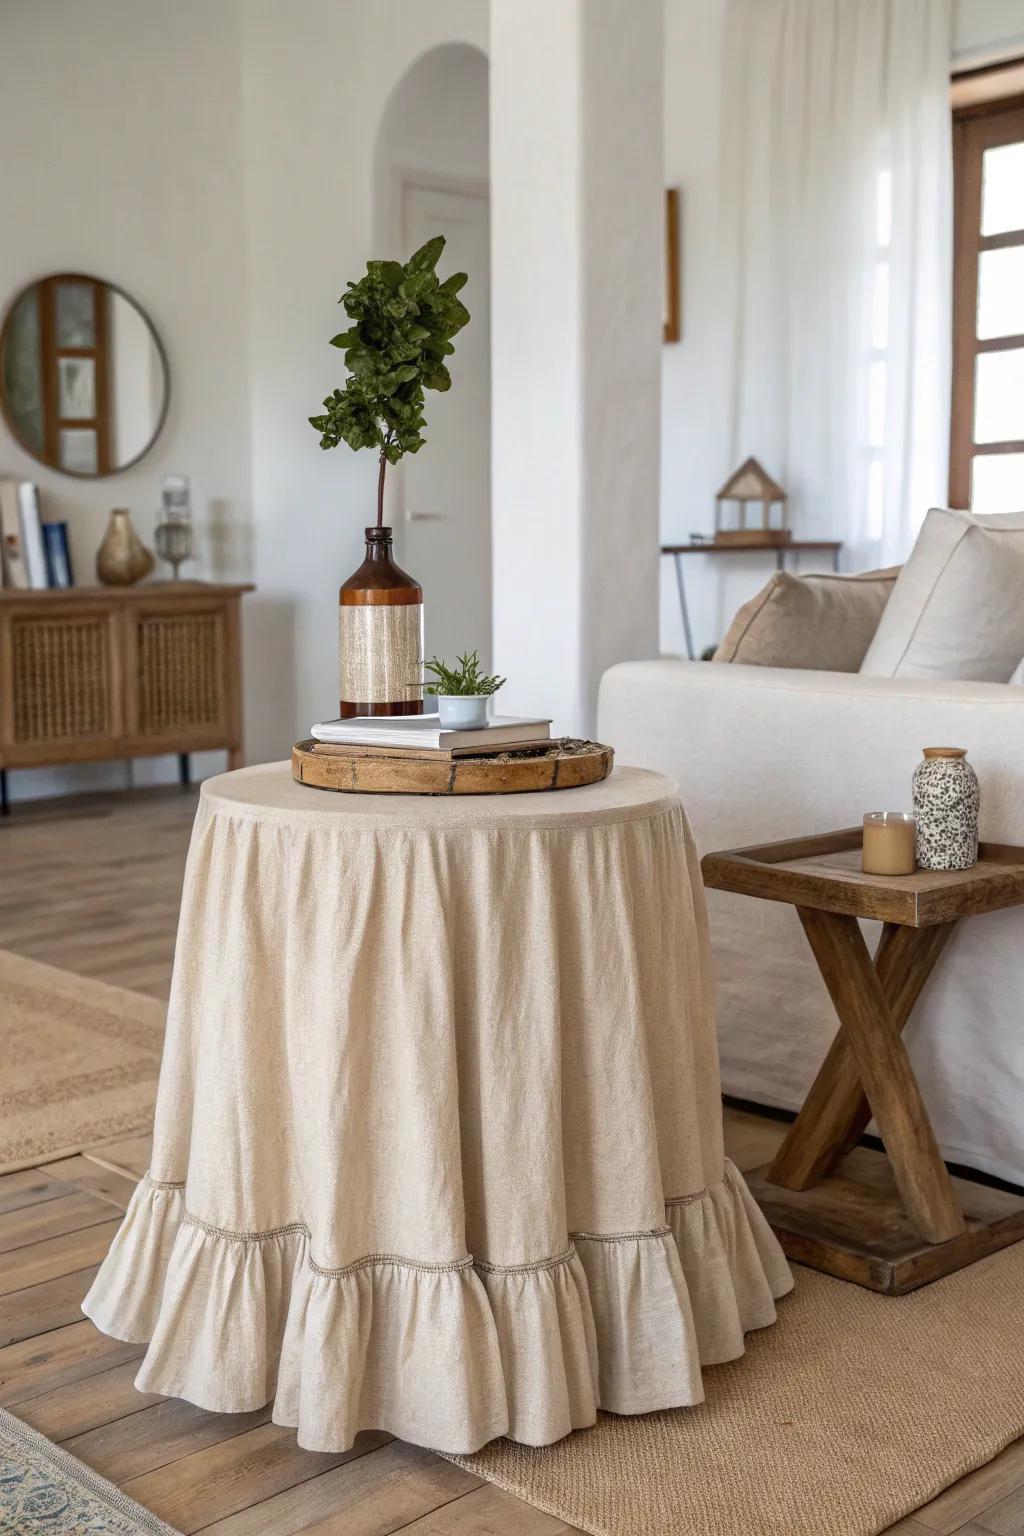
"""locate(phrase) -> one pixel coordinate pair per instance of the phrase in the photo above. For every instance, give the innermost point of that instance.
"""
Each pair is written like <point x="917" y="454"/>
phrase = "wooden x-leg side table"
<point x="893" y="1223"/>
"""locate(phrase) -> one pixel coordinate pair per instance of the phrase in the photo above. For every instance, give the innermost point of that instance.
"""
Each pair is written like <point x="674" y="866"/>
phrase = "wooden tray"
<point x="561" y="764"/>
<point x="824" y="872"/>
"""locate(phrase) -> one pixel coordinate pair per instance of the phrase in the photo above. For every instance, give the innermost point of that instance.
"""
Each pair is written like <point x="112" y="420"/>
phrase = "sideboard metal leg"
<point x="5" y="804"/>
<point x="183" y="774"/>
<point x="684" y="611"/>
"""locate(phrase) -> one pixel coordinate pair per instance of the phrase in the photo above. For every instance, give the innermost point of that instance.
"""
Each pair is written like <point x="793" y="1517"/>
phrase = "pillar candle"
<point x="888" y="847"/>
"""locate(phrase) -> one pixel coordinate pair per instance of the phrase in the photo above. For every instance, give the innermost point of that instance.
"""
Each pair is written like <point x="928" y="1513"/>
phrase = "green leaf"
<point x="465" y="678"/>
<point x="426" y="258"/>
<point x="437" y="377"/>
<point x="415" y="287"/>
<point x="403" y="318"/>
<point x="389" y="382"/>
<point x="360" y="358"/>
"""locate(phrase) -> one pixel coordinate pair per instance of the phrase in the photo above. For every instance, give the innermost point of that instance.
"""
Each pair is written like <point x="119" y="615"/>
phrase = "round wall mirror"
<point x="83" y="378"/>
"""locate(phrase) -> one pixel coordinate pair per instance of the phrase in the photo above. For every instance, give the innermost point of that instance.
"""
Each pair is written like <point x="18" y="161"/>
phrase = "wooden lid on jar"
<point x="945" y="751"/>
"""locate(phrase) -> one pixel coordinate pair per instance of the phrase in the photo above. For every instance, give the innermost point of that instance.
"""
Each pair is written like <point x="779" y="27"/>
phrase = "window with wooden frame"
<point x="986" y="465"/>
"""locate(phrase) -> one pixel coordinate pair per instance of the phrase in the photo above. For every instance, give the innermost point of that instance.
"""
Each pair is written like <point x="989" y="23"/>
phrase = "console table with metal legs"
<point x="780" y="551"/>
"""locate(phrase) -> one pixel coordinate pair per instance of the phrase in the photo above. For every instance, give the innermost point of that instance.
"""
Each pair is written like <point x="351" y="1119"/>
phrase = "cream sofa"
<point x="762" y="753"/>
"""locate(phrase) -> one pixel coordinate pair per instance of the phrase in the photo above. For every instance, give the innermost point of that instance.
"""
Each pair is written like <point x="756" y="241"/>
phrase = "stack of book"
<point x="423" y="736"/>
<point x="33" y="554"/>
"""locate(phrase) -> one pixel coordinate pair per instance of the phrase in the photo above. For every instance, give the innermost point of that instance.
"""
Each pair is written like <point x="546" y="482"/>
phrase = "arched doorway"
<point x="431" y="177"/>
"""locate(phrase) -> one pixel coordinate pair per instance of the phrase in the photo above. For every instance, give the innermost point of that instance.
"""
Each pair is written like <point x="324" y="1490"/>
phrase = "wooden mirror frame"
<point x="106" y="287"/>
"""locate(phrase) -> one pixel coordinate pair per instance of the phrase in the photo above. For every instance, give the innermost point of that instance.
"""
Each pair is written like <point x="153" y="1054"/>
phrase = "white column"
<point x="577" y="277"/>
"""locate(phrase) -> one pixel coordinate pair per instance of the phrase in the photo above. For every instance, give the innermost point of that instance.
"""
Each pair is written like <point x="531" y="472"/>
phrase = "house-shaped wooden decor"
<point x="751" y="483"/>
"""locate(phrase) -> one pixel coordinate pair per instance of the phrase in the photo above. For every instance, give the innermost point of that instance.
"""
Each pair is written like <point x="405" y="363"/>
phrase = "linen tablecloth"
<point x="438" y="1142"/>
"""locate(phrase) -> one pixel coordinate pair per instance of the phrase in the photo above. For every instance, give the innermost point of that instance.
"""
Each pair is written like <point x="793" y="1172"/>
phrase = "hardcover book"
<point x="15" y="571"/>
<point x="32" y="544"/>
<point x="58" y="557"/>
<point x="423" y="732"/>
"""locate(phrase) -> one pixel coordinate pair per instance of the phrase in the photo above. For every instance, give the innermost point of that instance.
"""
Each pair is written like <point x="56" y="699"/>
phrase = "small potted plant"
<point x="462" y="692"/>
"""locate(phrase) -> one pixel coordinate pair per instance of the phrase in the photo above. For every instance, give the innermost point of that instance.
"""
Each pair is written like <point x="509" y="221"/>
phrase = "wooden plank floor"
<point x="93" y="885"/>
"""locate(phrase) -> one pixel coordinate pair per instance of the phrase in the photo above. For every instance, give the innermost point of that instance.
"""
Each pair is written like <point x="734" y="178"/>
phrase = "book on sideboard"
<point x="13" y="569"/>
<point x="32" y="535"/>
<point x="33" y="555"/>
<point x="58" y="555"/>
<point x="24" y="563"/>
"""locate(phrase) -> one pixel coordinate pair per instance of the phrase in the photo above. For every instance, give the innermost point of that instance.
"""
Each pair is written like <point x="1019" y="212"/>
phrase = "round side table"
<point x="438" y="1143"/>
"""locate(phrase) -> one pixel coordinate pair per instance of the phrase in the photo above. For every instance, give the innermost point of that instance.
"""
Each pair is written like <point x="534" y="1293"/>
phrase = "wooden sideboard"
<point x="93" y="673"/>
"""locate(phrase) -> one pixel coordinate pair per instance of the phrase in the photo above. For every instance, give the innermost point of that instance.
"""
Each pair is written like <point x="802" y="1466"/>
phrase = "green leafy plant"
<point x="404" y="318"/>
<point x="464" y="680"/>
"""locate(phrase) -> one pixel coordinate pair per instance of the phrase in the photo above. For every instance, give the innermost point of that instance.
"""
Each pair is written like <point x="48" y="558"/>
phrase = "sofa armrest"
<point x="761" y="752"/>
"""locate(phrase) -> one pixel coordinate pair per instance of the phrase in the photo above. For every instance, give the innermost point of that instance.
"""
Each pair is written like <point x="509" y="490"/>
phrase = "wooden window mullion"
<point x="966" y="230"/>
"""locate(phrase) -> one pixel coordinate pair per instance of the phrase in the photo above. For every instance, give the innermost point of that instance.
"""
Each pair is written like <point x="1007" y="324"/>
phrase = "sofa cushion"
<point x="824" y="623"/>
<point x="957" y="610"/>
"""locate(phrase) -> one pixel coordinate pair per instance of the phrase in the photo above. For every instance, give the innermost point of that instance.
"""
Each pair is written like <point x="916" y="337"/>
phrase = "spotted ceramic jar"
<point x="946" y="800"/>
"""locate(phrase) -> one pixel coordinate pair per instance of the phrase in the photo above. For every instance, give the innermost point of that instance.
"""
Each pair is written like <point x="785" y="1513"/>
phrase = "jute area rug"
<point x="854" y="1410"/>
<point x="80" y="1062"/>
<point x="44" y="1491"/>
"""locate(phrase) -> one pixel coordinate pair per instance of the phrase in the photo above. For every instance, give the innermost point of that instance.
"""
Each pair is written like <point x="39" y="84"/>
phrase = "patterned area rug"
<point x="80" y="1062"/>
<point x="44" y="1491"/>
<point x="854" y="1410"/>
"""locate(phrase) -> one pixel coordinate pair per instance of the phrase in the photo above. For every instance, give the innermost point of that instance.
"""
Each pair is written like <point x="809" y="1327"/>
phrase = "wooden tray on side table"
<point x="564" y="763"/>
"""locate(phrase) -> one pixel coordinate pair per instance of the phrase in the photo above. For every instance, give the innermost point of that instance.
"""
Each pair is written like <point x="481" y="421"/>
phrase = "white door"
<point x="446" y="541"/>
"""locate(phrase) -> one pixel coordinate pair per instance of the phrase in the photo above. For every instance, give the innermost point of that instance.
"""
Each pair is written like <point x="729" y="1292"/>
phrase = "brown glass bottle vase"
<point x="380" y="635"/>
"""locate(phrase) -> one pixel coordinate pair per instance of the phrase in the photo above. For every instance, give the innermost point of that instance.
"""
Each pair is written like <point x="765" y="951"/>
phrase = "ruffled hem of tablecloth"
<point x="442" y="1355"/>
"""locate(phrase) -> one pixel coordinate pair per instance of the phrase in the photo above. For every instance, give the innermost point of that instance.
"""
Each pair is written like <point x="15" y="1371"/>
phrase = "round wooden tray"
<point x="561" y="764"/>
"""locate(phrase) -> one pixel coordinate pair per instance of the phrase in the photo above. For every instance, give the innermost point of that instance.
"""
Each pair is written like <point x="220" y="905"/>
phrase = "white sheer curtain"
<point x="837" y="228"/>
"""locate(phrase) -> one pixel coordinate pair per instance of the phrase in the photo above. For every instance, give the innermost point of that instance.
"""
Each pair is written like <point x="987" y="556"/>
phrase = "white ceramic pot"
<point x="462" y="711"/>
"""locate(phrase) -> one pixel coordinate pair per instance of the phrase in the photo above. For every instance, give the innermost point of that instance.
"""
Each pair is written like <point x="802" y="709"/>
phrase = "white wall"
<point x="695" y="449"/>
<point x="435" y="119"/>
<point x="432" y="168"/>
<point x="576" y="225"/>
<point x="623" y="186"/>
<point x="122" y="149"/>
<point x="694" y="425"/>
<point x="985" y="31"/>
<point x="316" y="81"/>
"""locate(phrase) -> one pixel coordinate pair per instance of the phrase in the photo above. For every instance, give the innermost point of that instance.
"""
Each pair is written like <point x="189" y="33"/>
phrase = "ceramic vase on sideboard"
<point x="122" y="558"/>
<point x="380" y="635"/>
